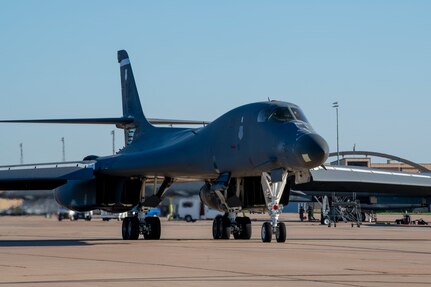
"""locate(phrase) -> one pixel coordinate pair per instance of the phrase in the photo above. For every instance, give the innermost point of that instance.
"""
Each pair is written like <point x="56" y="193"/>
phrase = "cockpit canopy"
<point x="281" y="115"/>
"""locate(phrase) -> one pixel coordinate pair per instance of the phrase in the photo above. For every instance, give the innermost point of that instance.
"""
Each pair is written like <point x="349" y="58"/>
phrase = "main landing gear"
<point x="224" y="226"/>
<point x="273" y="185"/>
<point x="229" y="223"/>
<point x="149" y="226"/>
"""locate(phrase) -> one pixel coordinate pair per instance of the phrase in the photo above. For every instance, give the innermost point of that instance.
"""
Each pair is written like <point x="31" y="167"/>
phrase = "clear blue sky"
<point x="198" y="59"/>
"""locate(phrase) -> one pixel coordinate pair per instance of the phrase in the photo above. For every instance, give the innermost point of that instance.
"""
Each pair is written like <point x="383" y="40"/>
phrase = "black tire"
<point x="239" y="223"/>
<point x="281" y="233"/>
<point x="153" y="228"/>
<point x="188" y="218"/>
<point x="244" y="224"/>
<point x="226" y="228"/>
<point x="217" y="227"/>
<point x="133" y="229"/>
<point x="246" y="232"/>
<point x="266" y="232"/>
<point x="125" y="228"/>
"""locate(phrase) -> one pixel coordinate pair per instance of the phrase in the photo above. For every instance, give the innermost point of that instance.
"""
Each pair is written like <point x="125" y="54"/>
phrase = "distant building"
<point x="389" y="165"/>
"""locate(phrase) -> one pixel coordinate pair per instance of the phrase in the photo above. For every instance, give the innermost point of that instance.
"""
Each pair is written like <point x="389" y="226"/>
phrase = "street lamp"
<point x="63" y="149"/>
<point x="335" y="105"/>
<point x="21" y="154"/>
<point x="113" y="141"/>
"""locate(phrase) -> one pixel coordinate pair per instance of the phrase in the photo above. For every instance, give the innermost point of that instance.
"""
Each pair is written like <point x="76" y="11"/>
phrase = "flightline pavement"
<point x="36" y="251"/>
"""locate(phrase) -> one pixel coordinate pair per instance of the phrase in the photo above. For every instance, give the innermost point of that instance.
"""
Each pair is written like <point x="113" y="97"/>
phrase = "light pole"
<point x="335" y="105"/>
<point x="113" y="141"/>
<point x="64" y="149"/>
<point x="21" y="153"/>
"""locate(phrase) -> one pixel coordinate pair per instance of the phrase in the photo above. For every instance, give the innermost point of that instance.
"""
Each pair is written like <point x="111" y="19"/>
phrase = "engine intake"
<point x="210" y="198"/>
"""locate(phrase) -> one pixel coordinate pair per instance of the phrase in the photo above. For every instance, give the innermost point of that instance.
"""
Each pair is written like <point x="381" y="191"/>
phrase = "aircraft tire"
<point x="246" y="234"/>
<point x="281" y="233"/>
<point x="266" y="232"/>
<point x="133" y="230"/>
<point x="217" y="227"/>
<point x="226" y="228"/>
<point x="239" y="223"/>
<point x="125" y="228"/>
<point x="244" y="224"/>
<point x="154" y="228"/>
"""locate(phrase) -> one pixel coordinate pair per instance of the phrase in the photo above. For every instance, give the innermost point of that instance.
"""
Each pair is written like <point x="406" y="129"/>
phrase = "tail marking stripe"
<point x="124" y="62"/>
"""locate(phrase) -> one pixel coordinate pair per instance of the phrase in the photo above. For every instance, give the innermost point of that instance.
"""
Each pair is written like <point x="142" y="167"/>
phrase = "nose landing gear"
<point x="273" y="186"/>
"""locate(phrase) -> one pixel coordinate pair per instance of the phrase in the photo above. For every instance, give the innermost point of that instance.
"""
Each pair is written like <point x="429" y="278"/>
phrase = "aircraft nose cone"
<point x="312" y="150"/>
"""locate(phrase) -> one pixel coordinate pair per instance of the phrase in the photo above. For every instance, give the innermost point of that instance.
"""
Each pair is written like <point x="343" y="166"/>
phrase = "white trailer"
<point x="191" y="209"/>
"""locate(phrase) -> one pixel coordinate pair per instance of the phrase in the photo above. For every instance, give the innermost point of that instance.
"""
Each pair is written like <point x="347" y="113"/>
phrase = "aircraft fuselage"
<point x="243" y="142"/>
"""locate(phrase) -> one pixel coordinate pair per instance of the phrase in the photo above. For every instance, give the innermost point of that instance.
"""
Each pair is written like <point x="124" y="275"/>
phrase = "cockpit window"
<point x="281" y="114"/>
<point x="299" y="115"/>
<point x="263" y="116"/>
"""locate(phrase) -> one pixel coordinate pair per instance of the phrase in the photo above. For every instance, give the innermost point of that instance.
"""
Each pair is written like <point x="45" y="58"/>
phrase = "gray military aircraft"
<point x="245" y="157"/>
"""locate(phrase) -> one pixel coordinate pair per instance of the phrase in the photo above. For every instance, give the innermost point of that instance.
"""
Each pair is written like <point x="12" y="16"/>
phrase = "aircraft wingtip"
<point x="122" y="54"/>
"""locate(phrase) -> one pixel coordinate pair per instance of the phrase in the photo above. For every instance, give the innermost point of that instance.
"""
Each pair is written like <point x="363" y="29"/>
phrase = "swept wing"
<point x="365" y="180"/>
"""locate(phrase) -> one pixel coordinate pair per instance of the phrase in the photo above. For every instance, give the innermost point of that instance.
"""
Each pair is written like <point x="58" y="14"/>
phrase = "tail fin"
<point x="131" y="104"/>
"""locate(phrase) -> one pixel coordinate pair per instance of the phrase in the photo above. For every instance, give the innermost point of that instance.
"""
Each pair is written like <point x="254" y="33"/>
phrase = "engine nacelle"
<point x="114" y="194"/>
<point x="78" y="195"/>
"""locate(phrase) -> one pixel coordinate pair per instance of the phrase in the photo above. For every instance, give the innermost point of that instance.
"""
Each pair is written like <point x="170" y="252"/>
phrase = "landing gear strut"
<point x="149" y="227"/>
<point x="273" y="185"/>
<point x="229" y="223"/>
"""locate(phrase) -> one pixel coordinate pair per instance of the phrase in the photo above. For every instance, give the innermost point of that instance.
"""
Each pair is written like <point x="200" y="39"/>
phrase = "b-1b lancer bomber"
<point x="247" y="157"/>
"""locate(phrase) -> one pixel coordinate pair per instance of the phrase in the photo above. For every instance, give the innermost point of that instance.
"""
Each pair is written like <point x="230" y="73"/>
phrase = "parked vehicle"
<point x="81" y="215"/>
<point x="154" y="212"/>
<point x="191" y="209"/>
<point x="64" y="213"/>
<point x="106" y="216"/>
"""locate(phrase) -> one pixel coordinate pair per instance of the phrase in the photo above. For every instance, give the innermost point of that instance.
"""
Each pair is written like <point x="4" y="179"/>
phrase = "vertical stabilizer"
<point x="131" y="104"/>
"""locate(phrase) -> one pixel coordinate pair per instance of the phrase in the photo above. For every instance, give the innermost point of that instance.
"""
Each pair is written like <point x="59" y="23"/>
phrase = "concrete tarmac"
<point x="35" y="251"/>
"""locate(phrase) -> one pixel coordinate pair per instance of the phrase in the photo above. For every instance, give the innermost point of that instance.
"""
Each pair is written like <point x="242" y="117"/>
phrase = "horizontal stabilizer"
<point x="121" y="121"/>
<point x="106" y="121"/>
<point x="176" y="122"/>
<point x="43" y="176"/>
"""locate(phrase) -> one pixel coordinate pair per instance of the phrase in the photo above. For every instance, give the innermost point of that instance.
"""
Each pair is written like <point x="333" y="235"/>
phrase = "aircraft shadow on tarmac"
<point x="51" y="242"/>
